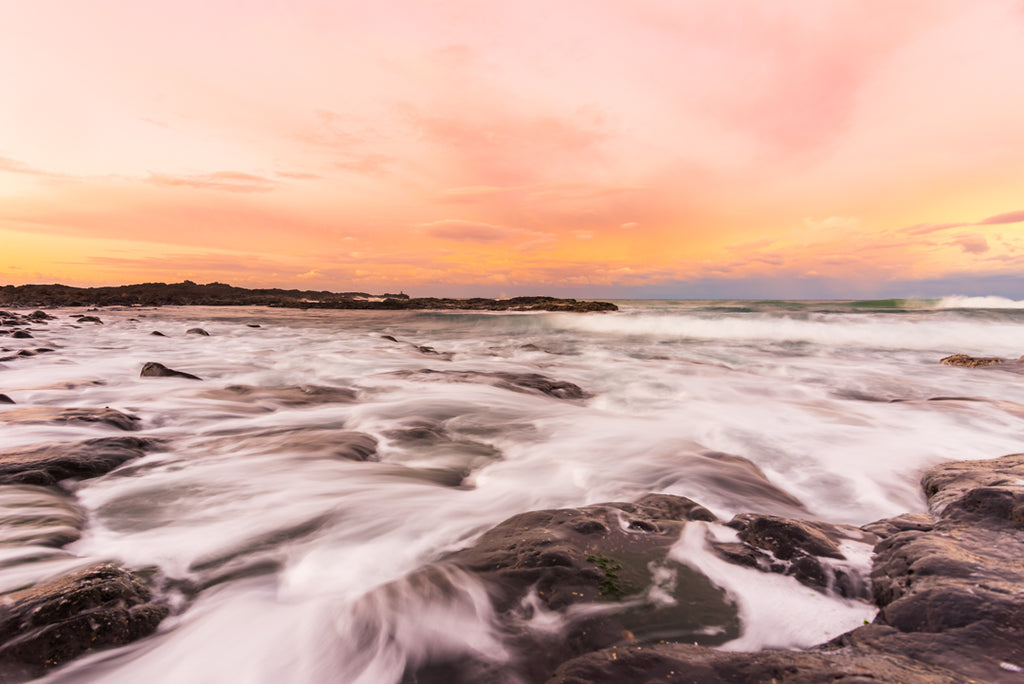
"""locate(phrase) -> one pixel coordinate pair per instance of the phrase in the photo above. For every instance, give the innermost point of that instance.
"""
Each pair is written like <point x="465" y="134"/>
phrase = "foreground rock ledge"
<point x="948" y="589"/>
<point x="54" y="622"/>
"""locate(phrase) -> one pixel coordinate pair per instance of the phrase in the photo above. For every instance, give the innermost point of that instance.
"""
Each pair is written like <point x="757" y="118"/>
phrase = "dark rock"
<point x="389" y="337"/>
<point x="50" y="462"/>
<point x="197" y="331"/>
<point x="90" y="319"/>
<point x="21" y="335"/>
<point x="41" y="316"/>
<point x="948" y="589"/>
<point x="688" y="664"/>
<point x="157" y="333"/>
<point x="57" y="621"/>
<point x="301" y="395"/>
<point x="158" y="370"/>
<point x="799" y="548"/>
<point x="4" y="399"/>
<point x="605" y="554"/>
<point x="517" y="382"/>
<point x="71" y="415"/>
<point x="253" y="325"/>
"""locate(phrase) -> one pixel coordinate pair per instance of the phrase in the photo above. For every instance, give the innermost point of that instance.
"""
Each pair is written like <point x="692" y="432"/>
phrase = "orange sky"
<point x="640" y="148"/>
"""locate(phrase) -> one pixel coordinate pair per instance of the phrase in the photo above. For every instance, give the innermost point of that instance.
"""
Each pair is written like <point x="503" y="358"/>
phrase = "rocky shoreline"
<point x="218" y="294"/>
<point x="947" y="584"/>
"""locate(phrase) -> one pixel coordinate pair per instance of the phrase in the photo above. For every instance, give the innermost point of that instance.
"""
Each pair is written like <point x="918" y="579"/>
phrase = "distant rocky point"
<point x="220" y="294"/>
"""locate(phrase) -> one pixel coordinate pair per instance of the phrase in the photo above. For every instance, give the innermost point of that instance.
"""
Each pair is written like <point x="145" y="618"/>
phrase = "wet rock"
<point x="947" y="586"/>
<point x="390" y="338"/>
<point x="157" y="370"/>
<point x="71" y="415"/>
<point x="253" y="325"/>
<point x="90" y="319"/>
<point x="4" y="399"/>
<point x="197" y="331"/>
<point x="595" y="567"/>
<point x="21" y="335"/>
<point x="41" y="316"/>
<point x="157" y="333"/>
<point x="57" y="621"/>
<point x="301" y="395"/>
<point x="50" y="462"/>
<point x="517" y="382"/>
<point x="803" y="549"/>
<point x="37" y="516"/>
<point x="970" y="361"/>
<point x="687" y="664"/>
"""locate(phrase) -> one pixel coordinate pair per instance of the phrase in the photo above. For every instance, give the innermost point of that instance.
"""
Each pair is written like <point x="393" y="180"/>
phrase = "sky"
<point x="602" y="148"/>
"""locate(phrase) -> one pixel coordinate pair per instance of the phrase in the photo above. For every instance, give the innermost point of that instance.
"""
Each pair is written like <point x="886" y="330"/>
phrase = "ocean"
<point x="327" y="456"/>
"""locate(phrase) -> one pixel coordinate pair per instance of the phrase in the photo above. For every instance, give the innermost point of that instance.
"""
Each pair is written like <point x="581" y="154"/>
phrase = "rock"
<point x="50" y="462"/>
<point x="607" y="557"/>
<point x="157" y="333"/>
<point x="253" y="325"/>
<point x="969" y="361"/>
<point x="57" y="621"/>
<point x="390" y="338"/>
<point x="802" y="549"/>
<point x="517" y="382"/>
<point x="90" y="319"/>
<point x="4" y="399"/>
<point x="71" y="415"/>
<point x="37" y="516"/>
<point x="41" y="316"/>
<point x="197" y="331"/>
<point x="158" y="370"/>
<point x="301" y="395"/>
<point x="947" y="586"/>
<point x="21" y="335"/>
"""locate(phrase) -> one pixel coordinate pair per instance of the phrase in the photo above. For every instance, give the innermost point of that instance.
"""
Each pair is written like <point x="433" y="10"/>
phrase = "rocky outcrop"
<point x="947" y="587"/>
<point x="153" y="369"/>
<point x="517" y="382"/>
<point x="599" y="569"/>
<point x="54" y="622"/>
<point x="49" y="463"/>
<point x="71" y="415"/>
<point x="220" y="294"/>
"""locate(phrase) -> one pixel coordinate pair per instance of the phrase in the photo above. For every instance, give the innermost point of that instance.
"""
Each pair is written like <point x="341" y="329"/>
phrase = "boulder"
<point x="153" y="369"/>
<point x="4" y="399"/>
<point x="157" y="333"/>
<point x="50" y="462"/>
<point x="49" y="624"/>
<point x="21" y="335"/>
<point x="71" y="415"/>
<point x="90" y="319"/>
<point x="533" y="383"/>
<point x="599" y="569"/>
<point x="197" y="331"/>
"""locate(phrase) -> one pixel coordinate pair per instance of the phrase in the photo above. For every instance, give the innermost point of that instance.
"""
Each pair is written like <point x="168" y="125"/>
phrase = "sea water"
<point x="284" y="552"/>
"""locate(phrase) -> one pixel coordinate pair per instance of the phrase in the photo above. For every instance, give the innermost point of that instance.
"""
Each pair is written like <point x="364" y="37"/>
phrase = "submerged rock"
<point x="596" y="570"/>
<point x="37" y="516"/>
<point x="517" y="382"/>
<point x="21" y="335"/>
<point x="197" y="331"/>
<point x="159" y="370"/>
<point x="71" y="415"/>
<point x="50" y="462"/>
<point x="90" y="319"/>
<point x="4" y="399"/>
<point x="54" y="622"/>
<point x="300" y="395"/>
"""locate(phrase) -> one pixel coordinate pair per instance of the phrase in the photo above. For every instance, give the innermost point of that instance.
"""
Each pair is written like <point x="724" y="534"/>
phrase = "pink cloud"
<point x="468" y="231"/>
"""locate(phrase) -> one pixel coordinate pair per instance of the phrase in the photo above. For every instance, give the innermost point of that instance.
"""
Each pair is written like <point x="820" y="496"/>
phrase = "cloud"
<point x="468" y="231"/>
<point x="309" y="274"/>
<point x="297" y="175"/>
<point x="14" y="166"/>
<point x="998" y="219"/>
<point x="629" y="225"/>
<point x="971" y="244"/>
<point x="227" y="181"/>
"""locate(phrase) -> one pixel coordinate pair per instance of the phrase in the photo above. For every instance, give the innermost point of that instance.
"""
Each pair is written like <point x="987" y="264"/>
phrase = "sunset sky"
<point x="661" y="148"/>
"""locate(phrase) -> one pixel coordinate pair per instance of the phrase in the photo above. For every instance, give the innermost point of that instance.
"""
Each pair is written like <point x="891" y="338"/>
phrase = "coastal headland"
<point x="188" y="293"/>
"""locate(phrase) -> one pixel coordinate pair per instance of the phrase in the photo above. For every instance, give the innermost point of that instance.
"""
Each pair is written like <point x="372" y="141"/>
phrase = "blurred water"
<point x="288" y="540"/>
